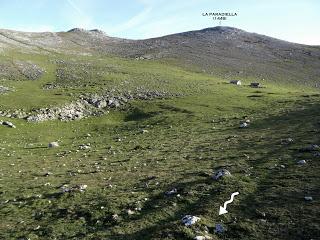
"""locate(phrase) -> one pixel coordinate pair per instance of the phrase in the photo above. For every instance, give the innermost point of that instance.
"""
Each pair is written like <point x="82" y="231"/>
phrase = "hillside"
<point x="108" y="138"/>
<point x="224" y="51"/>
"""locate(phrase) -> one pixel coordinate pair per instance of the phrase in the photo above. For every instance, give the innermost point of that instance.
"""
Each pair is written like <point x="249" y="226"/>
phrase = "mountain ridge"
<point x="220" y="29"/>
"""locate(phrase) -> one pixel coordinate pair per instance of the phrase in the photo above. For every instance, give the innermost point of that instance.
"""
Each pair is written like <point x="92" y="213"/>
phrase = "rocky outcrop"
<point x="29" y="70"/>
<point x="20" y="70"/>
<point x="72" y="111"/>
<point x="93" y="105"/>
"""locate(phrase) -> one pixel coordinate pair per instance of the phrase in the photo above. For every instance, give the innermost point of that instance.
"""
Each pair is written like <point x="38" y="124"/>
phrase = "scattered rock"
<point x="100" y="104"/>
<point x="81" y="188"/>
<point x="221" y="173"/>
<point x="255" y="85"/>
<point x="219" y="229"/>
<point x="47" y="174"/>
<point x="308" y="198"/>
<point x="311" y="148"/>
<point x="243" y="125"/>
<point x="37" y="228"/>
<point x="72" y="111"/>
<point x="8" y="124"/>
<point x="115" y="217"/>
<point x="29" y="70"/>
<point x="84" y="146"/>
<point x="236" y="82"/>
<point x="317" y="154"/>
<point x="17" y="113"/>
<point x="302" y="162"/>
<point x="261" y="214"/>
<point x="189" y="220"/>
<point x="144" y="131"/>
<point x="262" y="221"/>
<point x="65" y="188"/>
<point x="171" y="192"/>
<point x="113" y="103"/>
<point x="200" y="238"/>
<point x="287" y="141"/>
<point x="53" y="145"/>
<point x="4" y="89"/>
<point x="88" y="105"/>
<point x="130" y="212"/>
<point x="206" y="237"/>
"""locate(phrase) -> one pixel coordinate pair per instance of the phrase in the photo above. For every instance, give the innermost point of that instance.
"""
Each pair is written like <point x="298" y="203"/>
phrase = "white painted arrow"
<point x="223" y="210"/>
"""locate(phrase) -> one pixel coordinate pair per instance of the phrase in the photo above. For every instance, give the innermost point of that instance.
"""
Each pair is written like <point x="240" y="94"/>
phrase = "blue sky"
<point x="291" y="20"/>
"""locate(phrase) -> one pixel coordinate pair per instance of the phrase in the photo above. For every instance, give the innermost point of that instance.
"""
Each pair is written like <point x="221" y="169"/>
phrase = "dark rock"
<point x="8" y="124"/>
<point x="221" y="173"/>
<point x="311" y="148"/>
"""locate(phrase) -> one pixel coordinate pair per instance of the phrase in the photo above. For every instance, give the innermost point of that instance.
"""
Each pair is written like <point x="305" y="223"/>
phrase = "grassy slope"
<point x="182" y="149"/>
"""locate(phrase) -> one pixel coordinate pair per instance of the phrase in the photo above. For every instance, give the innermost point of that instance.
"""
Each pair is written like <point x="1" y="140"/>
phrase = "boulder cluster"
<point x="29" y="70"/>
<point x="86" y="105"/>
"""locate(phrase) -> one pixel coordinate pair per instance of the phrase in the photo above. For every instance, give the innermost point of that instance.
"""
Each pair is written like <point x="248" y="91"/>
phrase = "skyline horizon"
<point x="192" y="30"/>
<point x="288" y="20"/>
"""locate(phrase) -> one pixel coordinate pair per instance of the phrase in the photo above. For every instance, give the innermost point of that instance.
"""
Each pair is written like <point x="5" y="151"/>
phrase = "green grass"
<point x="189" y="138"/>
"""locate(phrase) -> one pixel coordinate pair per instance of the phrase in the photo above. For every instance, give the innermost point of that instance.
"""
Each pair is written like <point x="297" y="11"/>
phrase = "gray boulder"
<point x="310" y="148"/>
<point x="189" y="220"/>
<point x="221" y="173"/>
<point x="8" y="124"/>
<point x="308" y="198"/>
<point x="53" y="144"/>
<point x="302" y="162"/>
<point x="100" y="104"/>
<point x="219" y="229"/>
<point x="113" y="103"/>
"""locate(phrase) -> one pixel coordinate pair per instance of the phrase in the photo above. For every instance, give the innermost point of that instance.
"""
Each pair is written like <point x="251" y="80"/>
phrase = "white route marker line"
<point x="223" y="210"/>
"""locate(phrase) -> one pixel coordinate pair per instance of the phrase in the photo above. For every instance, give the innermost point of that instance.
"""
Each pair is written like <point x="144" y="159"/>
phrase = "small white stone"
<point x="301" y="162"/>
<point x="243" y="125"/>
<point x="37" y="228"/>
<point x="130" y="212"/>
<point x="171" y="192"/>
<point x="308" y="198"/>
<point x="83" y="187"/>
<point x="200" y="238"/>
